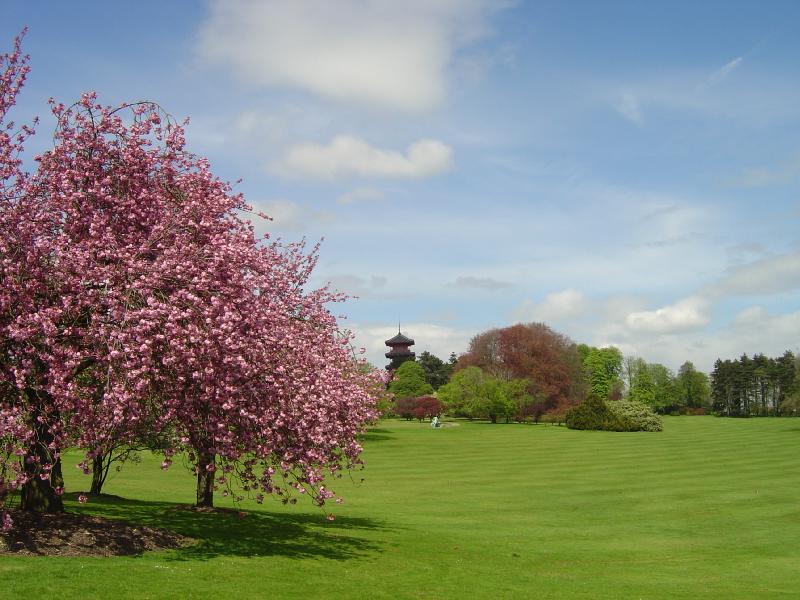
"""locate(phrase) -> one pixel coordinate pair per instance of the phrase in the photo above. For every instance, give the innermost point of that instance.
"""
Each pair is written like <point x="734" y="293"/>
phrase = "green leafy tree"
<point x="437" y="372"/>
<point x="494" y="400"/>
<point x="409" y="381"/>
<point x="790" y="405"/>
<point x="603" y="367"/>
<point x="757" y="386"/>
<point x="643" y="389"/>
<point x="693" y="389"/>
<point x="524" y="403"/>
<point x="474" y="393"/>
<point x="461" y="395"/>
<point x="666" y="393"/>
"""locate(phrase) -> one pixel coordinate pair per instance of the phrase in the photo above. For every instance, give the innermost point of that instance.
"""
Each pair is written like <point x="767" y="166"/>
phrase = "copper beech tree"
<point x="135" y="293"/>
<point x="532" y="351"/>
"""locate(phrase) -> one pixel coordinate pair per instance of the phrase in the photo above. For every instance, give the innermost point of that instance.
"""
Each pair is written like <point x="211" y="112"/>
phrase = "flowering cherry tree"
<point x="136" y="296"/>
<point x="19" y="272"/>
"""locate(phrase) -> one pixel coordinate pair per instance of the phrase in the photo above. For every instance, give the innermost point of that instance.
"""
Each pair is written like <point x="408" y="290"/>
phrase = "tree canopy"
<point x="409" y="381"/>
<point x="603" y="367"/>
<point x="123" y="256"/>
<point x="750" y="386"/>
<point x="437" y="372"/>
<point x="548" y="360"/>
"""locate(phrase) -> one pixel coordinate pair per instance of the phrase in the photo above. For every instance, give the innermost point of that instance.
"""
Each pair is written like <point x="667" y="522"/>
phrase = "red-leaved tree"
<point x="533" y="351"/>
<point x="427" y="407"/>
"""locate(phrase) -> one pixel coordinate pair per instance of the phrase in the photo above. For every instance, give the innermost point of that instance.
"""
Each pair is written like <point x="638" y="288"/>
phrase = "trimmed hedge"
<point x="613" y="415"/>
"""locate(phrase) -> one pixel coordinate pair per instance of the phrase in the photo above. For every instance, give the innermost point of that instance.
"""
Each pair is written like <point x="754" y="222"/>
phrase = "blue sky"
<point x="625" y="172"/>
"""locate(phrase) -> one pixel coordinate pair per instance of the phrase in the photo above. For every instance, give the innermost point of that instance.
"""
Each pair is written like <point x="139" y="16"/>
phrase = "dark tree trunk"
<point x="99" y="472"/>
<point x="39" y="495"/>
<point x="205" y="481"/>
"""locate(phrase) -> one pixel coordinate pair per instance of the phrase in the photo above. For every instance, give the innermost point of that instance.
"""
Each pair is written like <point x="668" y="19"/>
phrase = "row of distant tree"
<point x="528" y="371"/>
<point x="757" y="386"/>
<point x="667" y="392"/>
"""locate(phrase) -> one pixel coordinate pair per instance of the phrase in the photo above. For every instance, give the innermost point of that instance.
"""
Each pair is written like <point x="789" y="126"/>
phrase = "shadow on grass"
<point x="374" y="434"/>
<point x="224" y="533"/>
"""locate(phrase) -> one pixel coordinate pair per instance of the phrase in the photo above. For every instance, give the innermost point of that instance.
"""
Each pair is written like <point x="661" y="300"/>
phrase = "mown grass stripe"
<point x="707" y="508"/>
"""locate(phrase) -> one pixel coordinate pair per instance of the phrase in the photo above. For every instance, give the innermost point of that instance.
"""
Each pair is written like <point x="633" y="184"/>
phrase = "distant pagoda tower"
<point x="400" y="350"/>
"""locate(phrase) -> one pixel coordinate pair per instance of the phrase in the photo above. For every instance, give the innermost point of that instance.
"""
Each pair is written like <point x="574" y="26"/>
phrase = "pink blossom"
<point x="133" y="267"/>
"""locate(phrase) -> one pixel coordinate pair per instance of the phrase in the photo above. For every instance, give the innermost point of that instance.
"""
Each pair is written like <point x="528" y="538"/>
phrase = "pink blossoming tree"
<point x="136" y="297"/>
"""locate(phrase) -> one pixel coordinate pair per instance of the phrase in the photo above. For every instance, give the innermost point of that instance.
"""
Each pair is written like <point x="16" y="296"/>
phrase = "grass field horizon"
<point x="707" y="508"/>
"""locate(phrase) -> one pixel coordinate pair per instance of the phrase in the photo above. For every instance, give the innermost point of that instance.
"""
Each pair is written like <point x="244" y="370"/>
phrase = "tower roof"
<point x="399" y="340"/>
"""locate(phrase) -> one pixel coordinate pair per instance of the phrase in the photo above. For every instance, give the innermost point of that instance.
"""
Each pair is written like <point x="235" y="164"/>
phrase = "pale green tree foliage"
<point x="666" y="393"/>
<point x="461" y="395"/>
<point x="603" y="367"/>
<point x="692" y="387"/>
<point x="475" y="394"/>
<point x="409" y="381"/>
<point x="494" y="400"/>
<point x="643" y="388"/>
<point x="651" y="383"/>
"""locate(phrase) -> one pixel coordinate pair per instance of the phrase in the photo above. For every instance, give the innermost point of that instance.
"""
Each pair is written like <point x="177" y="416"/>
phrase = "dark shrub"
<point x="427" y="407"/>
<point x="614" y="415"/>
<point x="555" y="416"/>
<point x="592" y="413"/>
<point x="404" y="407"/>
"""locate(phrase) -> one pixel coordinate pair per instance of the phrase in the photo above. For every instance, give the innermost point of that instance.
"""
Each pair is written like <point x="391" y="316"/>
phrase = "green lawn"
<point x="707" y="508"/>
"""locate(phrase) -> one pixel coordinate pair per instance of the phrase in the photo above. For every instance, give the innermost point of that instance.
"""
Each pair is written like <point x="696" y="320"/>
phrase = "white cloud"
<point x="480" y="283"/>
<point x="360" y="194"/>
<point x="287" y="215"/>
<point x="685" y="315"/>
<point x="356" y="286"/>
<point x="381" y="53"/>
<point x="753" y="330"/>
<point x="758" y="321"/>
<point x="556" y="307"/>
<point x="436" y="339"/>
<point x="672" y="334"/>
<point x="773" y="275"/>
<point x="352" y="156"/>
<point x="765" y="277"/>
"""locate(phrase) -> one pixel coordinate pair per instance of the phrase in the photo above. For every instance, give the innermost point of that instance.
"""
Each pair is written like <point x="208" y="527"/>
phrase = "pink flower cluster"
<point x="135" y="296"/>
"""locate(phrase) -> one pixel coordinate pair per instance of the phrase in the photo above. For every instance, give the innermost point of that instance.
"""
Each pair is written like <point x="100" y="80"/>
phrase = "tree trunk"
<point x="99" y="472"/>
<point x="205" y="481"/>
<point x="39" y="495"/>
